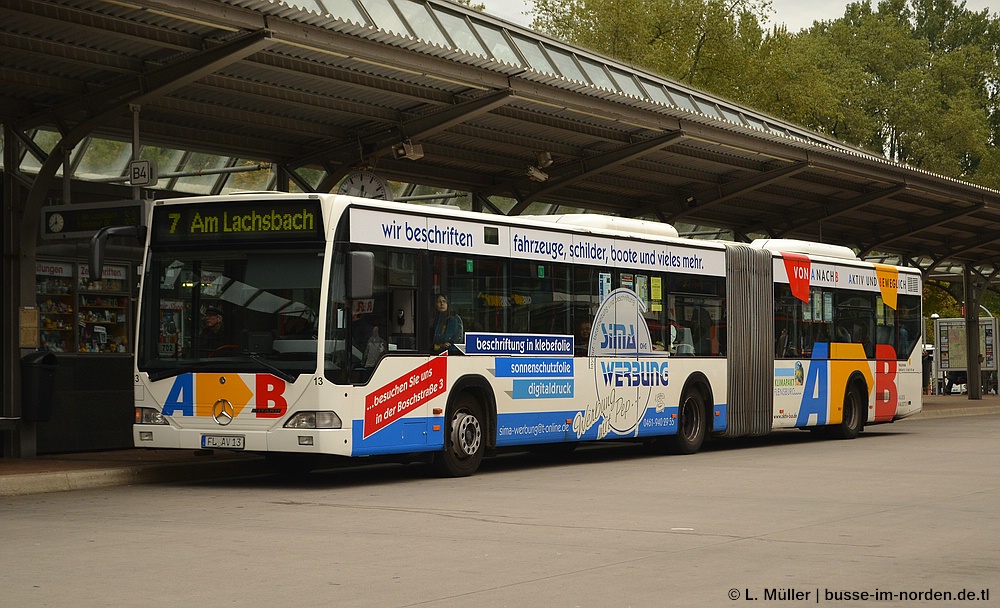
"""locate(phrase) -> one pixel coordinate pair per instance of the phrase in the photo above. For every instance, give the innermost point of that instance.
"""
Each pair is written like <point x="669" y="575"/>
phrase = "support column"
<point x="973" y="296"/>
<point x="18" y="438"/>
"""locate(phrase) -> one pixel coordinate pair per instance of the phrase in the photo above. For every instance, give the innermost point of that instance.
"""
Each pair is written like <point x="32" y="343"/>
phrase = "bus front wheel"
<point x="464" y="439"/>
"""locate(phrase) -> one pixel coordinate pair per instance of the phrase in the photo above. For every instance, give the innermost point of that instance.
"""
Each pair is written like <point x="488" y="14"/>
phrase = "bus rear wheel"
<point x="464" y="439"/>
<point x="691" y="424"/>
<point x="852" y="422"/>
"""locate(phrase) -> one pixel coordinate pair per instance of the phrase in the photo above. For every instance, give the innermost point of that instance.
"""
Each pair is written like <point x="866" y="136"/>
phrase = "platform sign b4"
<point x="142" y="173"/>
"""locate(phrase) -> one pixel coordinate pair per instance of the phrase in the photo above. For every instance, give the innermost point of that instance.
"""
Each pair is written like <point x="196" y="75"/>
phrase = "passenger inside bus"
<point x="298" y="326"/>
<point x="701" y="322"/>
<point x="448" y="329"/>
<point x="582" y="340"/>
<point x="213" y="331"/>
<point x="361" y="330"/>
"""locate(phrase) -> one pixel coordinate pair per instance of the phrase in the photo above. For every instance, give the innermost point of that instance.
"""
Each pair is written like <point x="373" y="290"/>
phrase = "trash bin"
<point x="38" y="378"/>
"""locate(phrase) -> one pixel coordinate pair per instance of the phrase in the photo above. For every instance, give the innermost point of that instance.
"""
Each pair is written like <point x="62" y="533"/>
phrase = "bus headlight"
<point x="147" y="415"/>
<point x="314" y="420"/>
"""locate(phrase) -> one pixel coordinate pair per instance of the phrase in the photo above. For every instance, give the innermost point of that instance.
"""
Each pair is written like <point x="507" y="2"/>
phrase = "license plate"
<point x="227" y="442"/>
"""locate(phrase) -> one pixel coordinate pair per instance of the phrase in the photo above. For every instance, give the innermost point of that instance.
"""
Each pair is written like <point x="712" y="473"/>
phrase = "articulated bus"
<point x="302" y="324"/>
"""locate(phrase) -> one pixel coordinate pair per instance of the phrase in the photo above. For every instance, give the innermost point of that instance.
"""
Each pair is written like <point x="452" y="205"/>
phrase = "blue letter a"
<point x="815" y="395"/>
<point x="181" y="396"/>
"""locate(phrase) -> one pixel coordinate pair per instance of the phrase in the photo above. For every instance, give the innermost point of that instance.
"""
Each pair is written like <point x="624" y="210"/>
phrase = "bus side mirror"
<point x="99" y="241"/>
<point x="362" y="273"/>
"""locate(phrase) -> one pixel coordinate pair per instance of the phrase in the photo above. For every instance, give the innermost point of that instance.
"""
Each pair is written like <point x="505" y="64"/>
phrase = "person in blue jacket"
<point x="448" y="329"/>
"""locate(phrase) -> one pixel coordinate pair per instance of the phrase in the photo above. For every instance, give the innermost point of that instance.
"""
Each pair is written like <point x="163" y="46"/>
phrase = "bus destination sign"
<point x="257" y="221"/>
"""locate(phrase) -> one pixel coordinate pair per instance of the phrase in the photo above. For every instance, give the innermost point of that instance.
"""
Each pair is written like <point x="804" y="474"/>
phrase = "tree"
<point x="917" y="81"/>
<point x="697" y="42"/>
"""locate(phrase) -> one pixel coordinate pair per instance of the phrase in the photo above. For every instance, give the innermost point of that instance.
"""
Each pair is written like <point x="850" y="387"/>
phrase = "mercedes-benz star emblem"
<point x="223" y="412"/>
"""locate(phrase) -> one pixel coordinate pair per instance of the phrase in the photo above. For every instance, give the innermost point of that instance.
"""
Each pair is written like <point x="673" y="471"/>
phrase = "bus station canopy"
<point x="430" y="92"/>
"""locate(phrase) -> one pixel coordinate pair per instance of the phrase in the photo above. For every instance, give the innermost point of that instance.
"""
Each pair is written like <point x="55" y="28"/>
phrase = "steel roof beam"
<point x="911" y="228"/>
<point x="831" y="211"/>
<point x="576" y="171"/>
<point x="953" y="252"/>
<point x="157" y="82"/>
<point x="379" y="142"/>
<point x="726" y="191"/>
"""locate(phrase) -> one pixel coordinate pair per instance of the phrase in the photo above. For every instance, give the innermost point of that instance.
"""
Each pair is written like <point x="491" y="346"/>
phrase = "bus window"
<point x="908" y="315"/>
<point x="699" y="304"/>
<point x="477" y="290"/>
<point x="856" y="312"/>
<point x="543" y="302"/>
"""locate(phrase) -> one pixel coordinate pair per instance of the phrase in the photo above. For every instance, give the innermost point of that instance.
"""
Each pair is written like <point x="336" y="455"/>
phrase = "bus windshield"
<point x="231" y="308"/>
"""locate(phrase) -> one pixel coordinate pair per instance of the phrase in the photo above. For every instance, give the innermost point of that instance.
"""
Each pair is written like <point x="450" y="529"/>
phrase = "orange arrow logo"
<point x="209" y="388"/>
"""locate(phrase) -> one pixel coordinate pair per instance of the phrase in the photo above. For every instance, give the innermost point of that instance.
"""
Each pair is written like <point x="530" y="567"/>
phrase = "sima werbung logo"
<point x="623" y="387"/>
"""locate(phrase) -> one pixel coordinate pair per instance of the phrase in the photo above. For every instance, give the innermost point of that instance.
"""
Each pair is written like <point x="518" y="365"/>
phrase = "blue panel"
<point x="721" y="421"/>
<point x="517" y="344"/>
<point x="404" y="435"/>
<point x="534" y="427"/>
<point x="534" y="367"/>
<point x="658" y="423"/>
<point x="543" y="389"/>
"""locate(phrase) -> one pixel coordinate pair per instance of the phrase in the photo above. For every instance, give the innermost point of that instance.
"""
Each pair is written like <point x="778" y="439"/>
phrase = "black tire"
<point x="852" y="422"/>
<point x="692" y="425"/>
<point x="464" y="439"/>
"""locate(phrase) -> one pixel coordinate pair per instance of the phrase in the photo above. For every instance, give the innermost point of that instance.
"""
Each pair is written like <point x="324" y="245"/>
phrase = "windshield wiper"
<point x="277" y="371"/>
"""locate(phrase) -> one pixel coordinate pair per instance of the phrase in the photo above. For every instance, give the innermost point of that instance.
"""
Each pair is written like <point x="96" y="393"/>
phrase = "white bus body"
<point x="686" y="337"/>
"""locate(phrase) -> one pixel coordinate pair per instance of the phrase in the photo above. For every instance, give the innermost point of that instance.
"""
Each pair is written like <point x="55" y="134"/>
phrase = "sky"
<point x="796" y="14"/>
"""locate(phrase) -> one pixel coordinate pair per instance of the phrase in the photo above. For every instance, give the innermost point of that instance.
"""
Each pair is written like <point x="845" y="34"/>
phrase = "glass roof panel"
<point x="200" y="184"/>
<point x="757" y="123"/>
<point x="46" y="140"/>
<point x="778" y="130"/>
<point x="708" y="107"/>
<point x="459" y="30"/>
<point x="627" y="84"/>
<point x="166" y="159"/>
<point x="498" y="44"/>
<point x="311" y="176"/>
<point x="656" y="93"/>
<point x="533" y="54"/>
<point x="730" y="115"/>
<point x="103" y="158"/>
<point x="597" y="75"/>
<point x="421" y="22"/>
<point x="251" y="181"/>
<point x="386" y="17"/>
<point x="683" y="100"/>
<point x="566" y="66"/>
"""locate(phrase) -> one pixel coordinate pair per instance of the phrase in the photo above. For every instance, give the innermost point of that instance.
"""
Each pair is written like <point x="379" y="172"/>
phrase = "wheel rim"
<point x="690" y="420"/>
<point x="466" y="435"/>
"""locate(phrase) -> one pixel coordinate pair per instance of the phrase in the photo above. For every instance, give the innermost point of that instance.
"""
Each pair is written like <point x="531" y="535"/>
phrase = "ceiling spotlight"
<point x="543" y="159"/>
<point x="405" y="149"/>
<point x="536" y="174"/>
